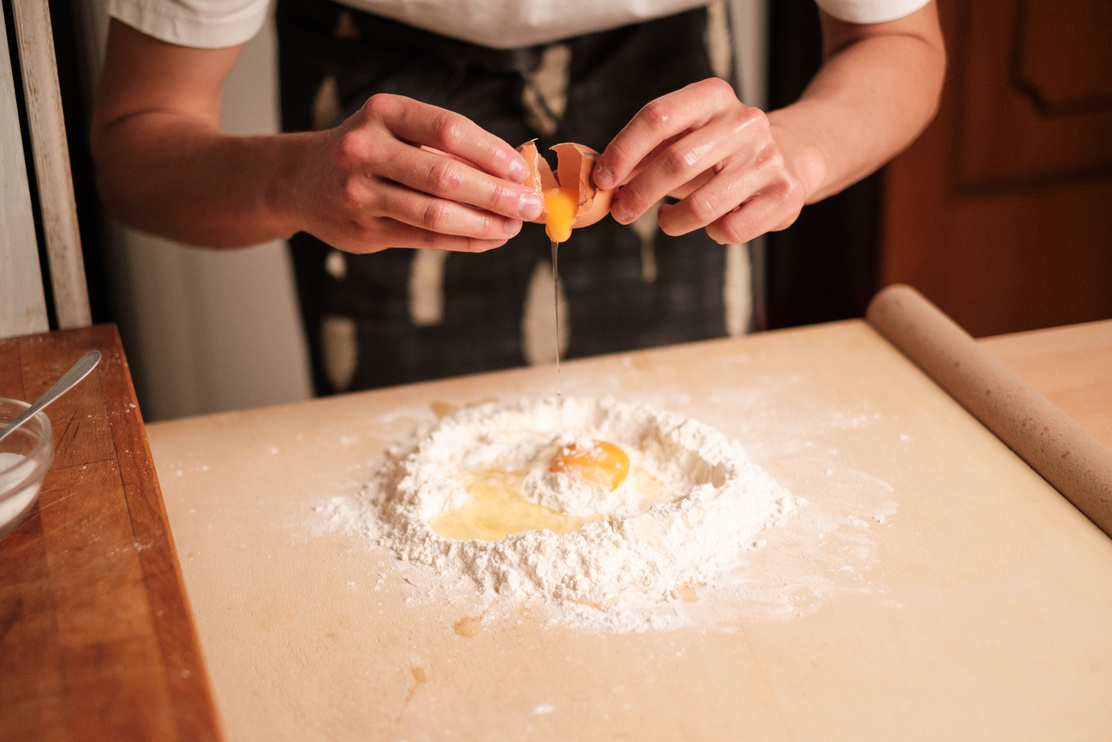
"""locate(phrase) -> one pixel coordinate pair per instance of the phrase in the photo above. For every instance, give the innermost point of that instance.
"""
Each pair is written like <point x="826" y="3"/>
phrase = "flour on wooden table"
<point x="617" y="572"/>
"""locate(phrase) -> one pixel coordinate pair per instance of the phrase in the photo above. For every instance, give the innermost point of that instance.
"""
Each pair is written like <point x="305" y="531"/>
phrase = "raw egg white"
<point x="570" y="198"/>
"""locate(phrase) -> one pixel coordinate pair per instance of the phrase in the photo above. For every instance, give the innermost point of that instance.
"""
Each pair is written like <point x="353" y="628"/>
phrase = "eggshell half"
<point x="574" y="163"/>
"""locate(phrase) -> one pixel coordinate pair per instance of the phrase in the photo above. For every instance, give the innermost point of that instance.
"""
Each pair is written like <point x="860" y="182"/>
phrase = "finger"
<point x="684" y="160"/>
<point x="447" y="177"/>
<point x="401" y="235"/>
<point x="760" y="214"/>
<point x="720" y="194"/>
<point x="439" y="215"/>
<point x="450" y="132"/>
<point x="686" y="189"/>
<point x="659" y="121"/>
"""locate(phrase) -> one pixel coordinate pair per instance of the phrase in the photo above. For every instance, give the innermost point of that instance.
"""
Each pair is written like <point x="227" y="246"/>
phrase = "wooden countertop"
<point x="932" y="582"/>
<point x="1071" y="366"/>
<point x="97" y="639"/>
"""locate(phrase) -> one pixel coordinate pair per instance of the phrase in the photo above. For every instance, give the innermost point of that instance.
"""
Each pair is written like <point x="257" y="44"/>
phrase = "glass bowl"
<point x="25" y="457"/>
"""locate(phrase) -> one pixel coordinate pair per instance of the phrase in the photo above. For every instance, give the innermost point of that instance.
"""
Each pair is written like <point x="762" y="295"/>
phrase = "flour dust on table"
<point x="609" y="514"/>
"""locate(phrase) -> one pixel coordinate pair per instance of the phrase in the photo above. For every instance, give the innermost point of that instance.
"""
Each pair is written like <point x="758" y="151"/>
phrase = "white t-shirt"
<point x="501" y="24"/>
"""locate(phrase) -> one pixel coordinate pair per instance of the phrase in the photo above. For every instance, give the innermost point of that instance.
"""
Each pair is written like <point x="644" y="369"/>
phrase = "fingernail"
<point x="518" y="169"/>
<point x="603" y="177"/>
<point x="512" y="226"/>
<point x="530" y="205"/>
<point x="620" y="213"/>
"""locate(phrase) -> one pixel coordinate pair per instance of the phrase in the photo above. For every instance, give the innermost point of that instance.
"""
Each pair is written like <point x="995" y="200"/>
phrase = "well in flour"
<point x="690" y="503"/>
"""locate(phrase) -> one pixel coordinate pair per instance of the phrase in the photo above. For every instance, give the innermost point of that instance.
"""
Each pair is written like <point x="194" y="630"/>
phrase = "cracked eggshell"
<point x="574" y="163"/>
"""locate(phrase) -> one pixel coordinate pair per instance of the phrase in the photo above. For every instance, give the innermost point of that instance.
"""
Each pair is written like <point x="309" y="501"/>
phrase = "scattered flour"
<point x="652" y="545"/>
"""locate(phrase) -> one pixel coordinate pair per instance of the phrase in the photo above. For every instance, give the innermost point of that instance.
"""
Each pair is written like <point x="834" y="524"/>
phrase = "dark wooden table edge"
<point x="187" y="680"/>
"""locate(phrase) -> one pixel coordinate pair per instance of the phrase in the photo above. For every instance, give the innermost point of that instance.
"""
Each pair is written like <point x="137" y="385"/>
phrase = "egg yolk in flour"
<point x="602" y="464"/>
<point x="561" y="205"/>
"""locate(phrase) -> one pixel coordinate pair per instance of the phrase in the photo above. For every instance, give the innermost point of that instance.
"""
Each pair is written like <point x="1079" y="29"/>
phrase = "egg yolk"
<point x="602" y="464"/>
<point x="561" y="205"/>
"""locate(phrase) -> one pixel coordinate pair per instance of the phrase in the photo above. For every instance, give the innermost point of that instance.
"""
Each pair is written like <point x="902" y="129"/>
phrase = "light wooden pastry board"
<point x="932" y="586"/>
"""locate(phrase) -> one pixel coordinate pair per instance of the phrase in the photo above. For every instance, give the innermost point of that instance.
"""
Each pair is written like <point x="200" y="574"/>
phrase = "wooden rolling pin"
<point x="1064" y="454"/>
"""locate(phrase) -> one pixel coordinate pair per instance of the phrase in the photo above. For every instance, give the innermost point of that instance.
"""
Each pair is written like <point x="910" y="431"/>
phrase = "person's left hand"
<point x="718" y="156"/>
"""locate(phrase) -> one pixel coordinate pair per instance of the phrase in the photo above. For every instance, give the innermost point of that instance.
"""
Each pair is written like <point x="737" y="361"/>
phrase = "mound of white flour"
<point x="617" y="570"/>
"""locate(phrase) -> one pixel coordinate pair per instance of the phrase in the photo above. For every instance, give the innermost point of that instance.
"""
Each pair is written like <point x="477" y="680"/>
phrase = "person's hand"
<point x="400" y="173"/>
<point x="718" y="156"/>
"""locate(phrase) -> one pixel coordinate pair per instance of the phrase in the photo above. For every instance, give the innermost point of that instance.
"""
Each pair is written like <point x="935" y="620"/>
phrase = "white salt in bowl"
<point x="25" y="457"/>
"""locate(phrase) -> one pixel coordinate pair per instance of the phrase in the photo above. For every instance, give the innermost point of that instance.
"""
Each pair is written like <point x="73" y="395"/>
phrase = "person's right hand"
<point x="398" y="173"/>
<point x="401" y="173"/>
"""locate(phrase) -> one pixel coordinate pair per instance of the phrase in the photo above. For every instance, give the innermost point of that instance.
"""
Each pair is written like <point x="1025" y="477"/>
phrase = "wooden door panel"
<point x="1034" y="81"/>
<point x="1001" y="213"/>
<point x="1058" y="52"/>
<point x="1032" y="258"/>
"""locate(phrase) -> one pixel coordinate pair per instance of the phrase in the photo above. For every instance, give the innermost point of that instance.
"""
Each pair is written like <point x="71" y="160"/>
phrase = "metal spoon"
<point x="79" y="371"/>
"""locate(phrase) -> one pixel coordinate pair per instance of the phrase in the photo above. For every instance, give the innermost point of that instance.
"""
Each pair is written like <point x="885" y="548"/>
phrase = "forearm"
<point x="185" y="180"/>
<point x="868" y="102"/>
